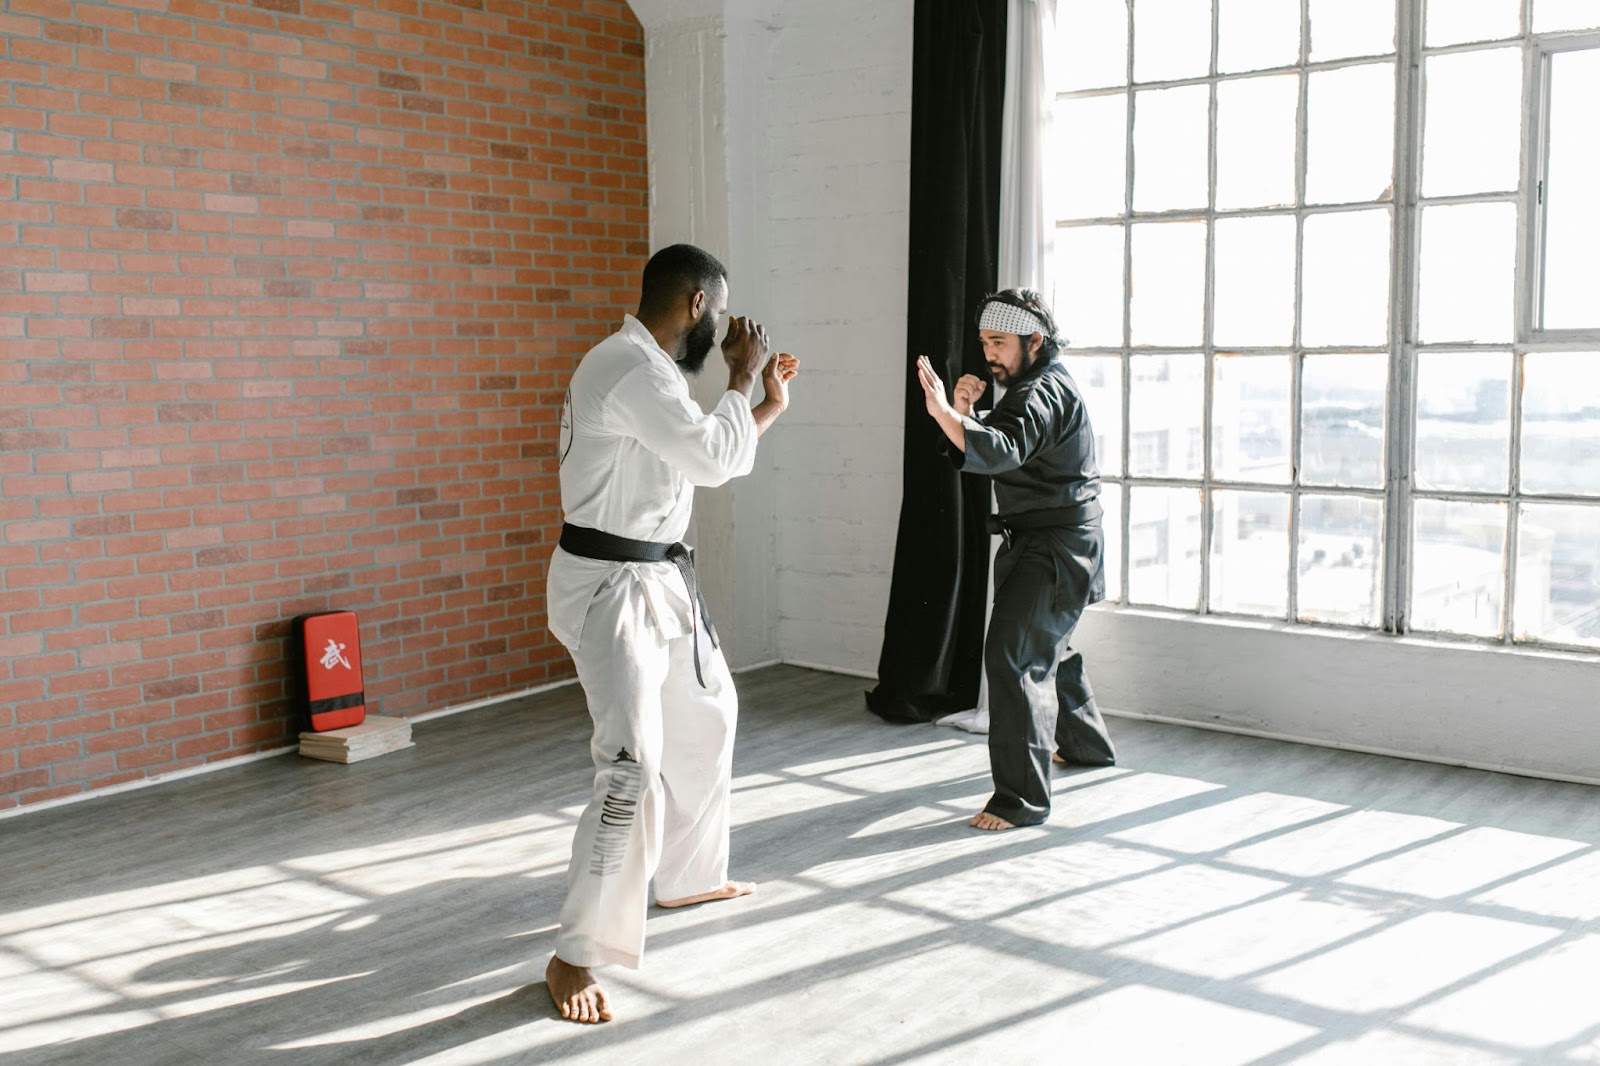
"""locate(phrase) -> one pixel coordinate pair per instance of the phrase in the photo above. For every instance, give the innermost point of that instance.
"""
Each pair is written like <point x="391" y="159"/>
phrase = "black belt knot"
<point x="596" y="544"/>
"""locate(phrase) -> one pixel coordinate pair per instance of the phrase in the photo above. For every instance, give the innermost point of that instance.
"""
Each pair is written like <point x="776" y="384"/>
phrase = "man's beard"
<point x="1004" y="377"/>
<point x="695" y="347"/>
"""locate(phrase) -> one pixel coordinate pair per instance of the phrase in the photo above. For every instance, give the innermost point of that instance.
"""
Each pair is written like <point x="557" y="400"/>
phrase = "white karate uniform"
<point x="634" y="443"/>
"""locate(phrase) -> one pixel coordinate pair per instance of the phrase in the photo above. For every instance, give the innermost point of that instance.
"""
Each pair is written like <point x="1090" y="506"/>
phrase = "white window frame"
<point x="1405" y="206"/>
<point x="1536" y="94"/>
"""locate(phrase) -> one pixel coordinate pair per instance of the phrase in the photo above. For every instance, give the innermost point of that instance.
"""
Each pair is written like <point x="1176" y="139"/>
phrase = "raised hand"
<point x="968" y="389"/>
<point x="932" y="387"/>
<point x="780" y="370"/>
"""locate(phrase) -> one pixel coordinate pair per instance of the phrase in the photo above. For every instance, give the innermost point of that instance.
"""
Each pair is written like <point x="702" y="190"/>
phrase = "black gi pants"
<point x="1039" y="697"/>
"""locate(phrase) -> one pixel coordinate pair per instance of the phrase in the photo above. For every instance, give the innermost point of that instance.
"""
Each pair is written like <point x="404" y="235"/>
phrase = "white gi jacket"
<point x="634" y="443"/>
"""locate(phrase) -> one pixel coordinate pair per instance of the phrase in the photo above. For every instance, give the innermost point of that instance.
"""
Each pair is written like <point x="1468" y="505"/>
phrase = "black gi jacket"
<point x="1037" y="444"/>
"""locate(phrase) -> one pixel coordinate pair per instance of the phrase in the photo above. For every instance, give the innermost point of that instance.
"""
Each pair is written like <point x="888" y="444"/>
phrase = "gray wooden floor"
<point x="1212" y="900"/>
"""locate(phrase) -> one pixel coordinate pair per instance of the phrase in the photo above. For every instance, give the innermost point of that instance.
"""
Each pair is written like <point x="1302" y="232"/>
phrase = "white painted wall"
<point x="706" y="182"/>
<point x="838" y="116"/>
<point x="780" y="138"/>
<point x="1476" y="705"/>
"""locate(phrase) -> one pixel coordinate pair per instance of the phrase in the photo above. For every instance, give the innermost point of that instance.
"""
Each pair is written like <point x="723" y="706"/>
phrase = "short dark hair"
<point x="675" y="271"/>
<point x="1029" y="300"/>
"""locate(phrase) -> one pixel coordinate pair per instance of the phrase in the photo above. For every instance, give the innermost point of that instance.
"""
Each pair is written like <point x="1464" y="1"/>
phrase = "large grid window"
<point x="1330" y="274"/>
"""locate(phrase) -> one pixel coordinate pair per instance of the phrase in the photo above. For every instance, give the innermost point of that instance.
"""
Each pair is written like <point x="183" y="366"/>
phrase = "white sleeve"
<point x="708" y="449"/>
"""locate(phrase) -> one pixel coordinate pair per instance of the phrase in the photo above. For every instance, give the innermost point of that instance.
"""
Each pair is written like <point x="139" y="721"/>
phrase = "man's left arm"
<point x="775" y="378"/>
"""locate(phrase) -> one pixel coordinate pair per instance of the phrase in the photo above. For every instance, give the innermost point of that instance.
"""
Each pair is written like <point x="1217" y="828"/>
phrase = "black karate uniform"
<point x="1038" y="447"/>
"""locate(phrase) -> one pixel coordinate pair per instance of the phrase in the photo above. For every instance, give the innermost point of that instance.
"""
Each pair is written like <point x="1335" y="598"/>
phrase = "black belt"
<point x="594" y="544"/>
<point x="1078" y="514"/>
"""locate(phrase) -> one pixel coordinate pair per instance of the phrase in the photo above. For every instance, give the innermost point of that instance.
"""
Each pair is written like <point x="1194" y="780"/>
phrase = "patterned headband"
<point x="1008" y="318"/>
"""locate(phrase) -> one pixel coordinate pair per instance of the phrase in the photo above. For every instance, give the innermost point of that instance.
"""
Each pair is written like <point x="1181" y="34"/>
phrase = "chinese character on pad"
<point x="333" y="655"/>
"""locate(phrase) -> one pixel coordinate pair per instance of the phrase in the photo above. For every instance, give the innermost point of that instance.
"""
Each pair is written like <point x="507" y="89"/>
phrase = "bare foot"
<point x="1055" y="757"/>
<point x="575" y="992"/>
<point x="990" y="822"/>
<point x="731" y="890"/>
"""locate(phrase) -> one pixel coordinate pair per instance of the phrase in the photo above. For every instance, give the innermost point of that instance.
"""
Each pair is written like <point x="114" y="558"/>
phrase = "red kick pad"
<point x="330" y="649"/>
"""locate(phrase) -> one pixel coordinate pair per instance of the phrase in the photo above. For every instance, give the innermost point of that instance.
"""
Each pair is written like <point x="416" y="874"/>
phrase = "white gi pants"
<point x="663" y="755"/>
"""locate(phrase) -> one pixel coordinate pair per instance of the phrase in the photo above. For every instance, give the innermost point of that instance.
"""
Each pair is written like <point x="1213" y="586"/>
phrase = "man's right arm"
<point x="653" y="405"/>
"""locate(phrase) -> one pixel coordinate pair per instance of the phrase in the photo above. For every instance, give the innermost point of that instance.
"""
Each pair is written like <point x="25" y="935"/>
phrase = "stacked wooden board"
<point x="373" y="737"/>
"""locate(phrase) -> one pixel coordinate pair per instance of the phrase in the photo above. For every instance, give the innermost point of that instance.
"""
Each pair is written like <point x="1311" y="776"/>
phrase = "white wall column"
<point x="703" y="67"/>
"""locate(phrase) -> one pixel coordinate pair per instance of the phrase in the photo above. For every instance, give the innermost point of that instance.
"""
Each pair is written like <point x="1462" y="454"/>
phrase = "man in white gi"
<point x="621" y="596"/>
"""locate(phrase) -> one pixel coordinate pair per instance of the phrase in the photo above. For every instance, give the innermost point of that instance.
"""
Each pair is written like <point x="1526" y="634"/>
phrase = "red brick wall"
<point x="289" y="290"/>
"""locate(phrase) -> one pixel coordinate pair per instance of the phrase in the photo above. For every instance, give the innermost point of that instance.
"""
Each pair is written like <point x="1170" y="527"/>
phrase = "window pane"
<point x="1250" y="553"/>
<point x="1462" y="21"/>
<point x="1463" y="421"/>
<point x="1166" y="407"/>
<point x="1111" y="522"/>
<point x="1169" y="273"/>
<point x="1473" y="127"/>
<point x="1341" y="28"/>
<point x="1256" y="34"/>
<point x="1572" y="194"/>
<point x="1255" y="141"/>
<point x="1099" y="379"/>
<point x="1091" y="155"/>
<point x="1552" y="15"/>
<point x="1344" y="296"/>
<point x="1169" y="148"/>
<point x="1558" y="573"/>
<point x="1467" y="277"/>
<point x="1341" y="419"/>
<point x="1093" y="37"/>
<point x="1254" y="287"/>
<point x="1561" y="422"/>
<point x="1088" y="285"/>
<point x="1350" y="134"/>
<point x="1250" y="418"/>
<point x="1457" y="577"/>
<point x="1171" y="39"/>
<point x="1341" y="572"/>
<point x="1164" y="546"/>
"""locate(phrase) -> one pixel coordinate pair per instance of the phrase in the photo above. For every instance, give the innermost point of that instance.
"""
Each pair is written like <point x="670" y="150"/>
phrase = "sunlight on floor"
<point x="1157" y="918"/>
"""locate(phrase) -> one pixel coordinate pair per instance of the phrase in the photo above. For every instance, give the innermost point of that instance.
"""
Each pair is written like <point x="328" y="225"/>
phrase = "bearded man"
<point x="1038" y="447"/>
<point x="622" y="597"/>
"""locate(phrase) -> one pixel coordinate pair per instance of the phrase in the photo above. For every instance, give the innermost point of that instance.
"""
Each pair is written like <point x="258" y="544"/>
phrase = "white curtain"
<point x="1027" y="224"/>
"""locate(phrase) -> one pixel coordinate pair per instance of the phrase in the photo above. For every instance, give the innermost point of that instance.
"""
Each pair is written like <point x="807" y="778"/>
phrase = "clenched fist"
<point x="744" y="348"/>
<point x="968" y="389"/>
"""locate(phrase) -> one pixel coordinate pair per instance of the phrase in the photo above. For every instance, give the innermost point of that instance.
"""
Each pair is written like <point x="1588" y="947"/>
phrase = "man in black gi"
<point x="1038" y="447"/>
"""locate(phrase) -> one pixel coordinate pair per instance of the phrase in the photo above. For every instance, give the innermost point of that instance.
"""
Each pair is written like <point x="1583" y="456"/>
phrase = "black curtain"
<point x="932" y="653"/>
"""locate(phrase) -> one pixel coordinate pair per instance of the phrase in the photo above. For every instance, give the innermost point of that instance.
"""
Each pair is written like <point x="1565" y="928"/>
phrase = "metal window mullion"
<point x="1297" y="355"/>
<point x="1528" y="297"/>
<point x="1127" y="330"/>
<point x="1275" y="488"/>
<point x="1502" y="197"/>
<point x="1263" y="72"/>
<point x="1467" y="496"/>
<point x="1536" y="148"/>
<point x="1472" y="46"/>
<point x="1400" y="416"/>
<point x="1508" y="632"/>
<point x="1568" y="339"/>
<point x="1207" y="324"/>
<point x="1200" y="214"/>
